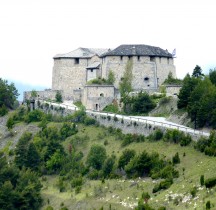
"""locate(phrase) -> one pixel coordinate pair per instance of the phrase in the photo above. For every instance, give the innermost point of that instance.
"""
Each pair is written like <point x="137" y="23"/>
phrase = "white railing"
<point x="164" y="124"/>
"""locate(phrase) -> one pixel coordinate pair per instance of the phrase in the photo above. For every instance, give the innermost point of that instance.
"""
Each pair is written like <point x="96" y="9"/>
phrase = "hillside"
<point x="118" y="192"/>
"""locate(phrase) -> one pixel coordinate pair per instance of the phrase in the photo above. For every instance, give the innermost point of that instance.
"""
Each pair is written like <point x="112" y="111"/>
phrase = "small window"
<point x="91" y="70"/>
<point x="160" y="59"/>
<point x="121" y="58"/>
<point x="167" y="60"/>
<point x="152" y="59"/>
<point x="138" y="58"/>
<point x="129" y="57"/>
<point x="146" y="79"/>
<point x="148" y="85"/>
<point x="76" y="61"/>
<point x="101" y="95"/>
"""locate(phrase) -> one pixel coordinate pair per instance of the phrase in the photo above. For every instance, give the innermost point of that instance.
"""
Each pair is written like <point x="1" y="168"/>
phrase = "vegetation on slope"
<point x="123" y="170"/>
<point x="198" y="96"/>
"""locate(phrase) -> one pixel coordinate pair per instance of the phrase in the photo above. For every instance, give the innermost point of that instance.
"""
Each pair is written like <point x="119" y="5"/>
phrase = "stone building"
<point x="71" y="72"/>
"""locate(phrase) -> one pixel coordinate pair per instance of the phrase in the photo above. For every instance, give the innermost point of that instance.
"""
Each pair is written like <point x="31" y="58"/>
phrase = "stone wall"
<point x="173" y="89"/>
<point x="126" y="125"/>
<point x="147" y="72"/>
<point x="96" y="97"/>
<point x="164" y="67"/>
<point x="43" y="95"/>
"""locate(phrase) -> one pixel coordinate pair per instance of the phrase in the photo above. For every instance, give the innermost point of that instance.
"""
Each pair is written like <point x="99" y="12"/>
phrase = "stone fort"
<point x="73" y="71"/>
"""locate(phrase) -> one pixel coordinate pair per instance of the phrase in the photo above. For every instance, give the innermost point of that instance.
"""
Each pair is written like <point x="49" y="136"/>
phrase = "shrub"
<point x="3" y="110"/>
<point x="186" y="140"/>
<point x="202" y="180"/>
<point x="193" y="192"/>
<point x="67" y="129"/>
<point x="58" y="97"/>
<point x="96" y="156"/>
<point x="76" y="182"/>
<point x="89" y="121"/>
<point x="111" y="108"/>
<point x="10" y="123"/>
<point x="34" y="116"/>
<point x="156" y="136"/>
<point x="208" y="205"/>
<point x="176" y="159"/>
<point x="211" y="182"/>
<point x="125" y="158"/>
<point x="162" y="185"/>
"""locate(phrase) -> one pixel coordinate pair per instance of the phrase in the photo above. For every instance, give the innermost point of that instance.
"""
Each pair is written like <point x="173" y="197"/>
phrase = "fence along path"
<point x="155" y="122"/>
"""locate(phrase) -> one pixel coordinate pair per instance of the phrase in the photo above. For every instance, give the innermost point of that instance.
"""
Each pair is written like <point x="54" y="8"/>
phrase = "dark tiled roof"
<point x="138" y="50"/>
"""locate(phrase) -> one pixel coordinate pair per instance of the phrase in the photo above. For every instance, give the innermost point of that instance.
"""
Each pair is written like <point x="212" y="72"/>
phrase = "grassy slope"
<point x="123" y="193"/>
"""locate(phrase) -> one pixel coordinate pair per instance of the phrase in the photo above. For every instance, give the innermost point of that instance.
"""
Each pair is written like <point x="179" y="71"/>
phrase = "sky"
<point x="33" y="31"/>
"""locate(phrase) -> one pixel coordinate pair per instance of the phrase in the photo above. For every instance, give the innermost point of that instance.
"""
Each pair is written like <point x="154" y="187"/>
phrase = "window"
<point x="129" y="57"/>
<point x="167" y="60"/>
<point x="76" y="61"/>
<point x="160" y="59"/>
<point x="101" y="95"/>
<point x="138" y="58"/>
<point x="146" y="79"/>
<point x="152" y="59"/>
<point x="121" y="58"/>
<point x="91" y="70"/>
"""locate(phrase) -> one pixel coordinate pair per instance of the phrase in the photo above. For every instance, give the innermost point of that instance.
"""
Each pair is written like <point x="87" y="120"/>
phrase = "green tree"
<point x="189" y="83"/>
<point x="10" y="123"/>
<point x="125" y="158"/>
<point x="56" y="161"/>
<point x="8" y="94"/>
<point x="108" y="165"/>
<point x="96" y="157"/>
<point x="212" y="76"/>
<point x="29" y="186"/>
<point x="22" y="149"/>
<point x="176" y="159"/>
<point x="58" y="97"/>
<point x="33" y="157"/>
<point x="202" y="180"/>
<point x="197" y="72"/>
<point x="125" y="86"/>
<point x="111" y="77"/>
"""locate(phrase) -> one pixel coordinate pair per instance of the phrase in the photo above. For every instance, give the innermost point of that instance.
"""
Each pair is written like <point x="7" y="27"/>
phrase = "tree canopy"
<point x="8" y="94"/>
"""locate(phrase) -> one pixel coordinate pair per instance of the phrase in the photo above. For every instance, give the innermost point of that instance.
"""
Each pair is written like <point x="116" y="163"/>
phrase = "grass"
<point x="122" y="192"/>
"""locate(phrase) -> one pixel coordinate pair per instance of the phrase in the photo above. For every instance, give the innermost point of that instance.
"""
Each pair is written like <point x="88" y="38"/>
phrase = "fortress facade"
<point x="71" y="72"/>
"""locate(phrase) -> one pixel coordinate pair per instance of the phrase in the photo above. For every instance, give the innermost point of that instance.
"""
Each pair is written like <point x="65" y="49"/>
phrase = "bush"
<point x="67" y="129"/>
<point x="156" y="136"/>
<point x="3" y="110"/>
<point x="76" y="182"/>
<point x="89" y="121"/>
<point x="111" y="108"/>
<point x="176" y="159"/>
<point x="58" y="97"/>
<point x="186" y="140"/>
<point x="193" y="192"/>
<point x="34" y="116"/>
<point x="162" y="185"/>
<point x="10" y="123"/>
<point x="208" y="205"/>
<point x="125" y="158"/>
<point x="211" y="182"/>
<point x="202" y="180"/>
